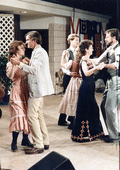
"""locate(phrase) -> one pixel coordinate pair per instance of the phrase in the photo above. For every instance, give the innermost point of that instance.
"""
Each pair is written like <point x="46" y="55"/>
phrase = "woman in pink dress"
<point x="68" y="104"/>
<point x="18" y="97"/>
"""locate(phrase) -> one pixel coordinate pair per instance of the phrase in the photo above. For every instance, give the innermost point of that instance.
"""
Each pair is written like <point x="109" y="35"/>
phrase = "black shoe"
<point x="62" y="120"/>
<point x="110" y="140"/>
<point x="63" y="123"/>
<point x="14" y="147"/>
<point x="0" y="113"/>
<point x="70" y="126"/>
<point x="46" y="147"/>
<point x="102" y="137"/>
<point x="27" y="143"/>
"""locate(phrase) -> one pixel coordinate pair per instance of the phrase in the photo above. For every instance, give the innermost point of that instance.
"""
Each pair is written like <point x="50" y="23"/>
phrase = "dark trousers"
<point x="66" y="80"/>
<point x="102" y="106"/>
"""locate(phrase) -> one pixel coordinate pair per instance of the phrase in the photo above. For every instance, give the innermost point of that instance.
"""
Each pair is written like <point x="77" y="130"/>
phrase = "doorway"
<point x="43" y="33"/>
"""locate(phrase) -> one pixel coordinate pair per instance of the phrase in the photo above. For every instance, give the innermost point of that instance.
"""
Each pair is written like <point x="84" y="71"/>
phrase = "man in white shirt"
<point x="40" y="84"/>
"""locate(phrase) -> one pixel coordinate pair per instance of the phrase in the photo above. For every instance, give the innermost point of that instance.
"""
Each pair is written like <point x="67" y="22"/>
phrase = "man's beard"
<point x="109" y="44"/>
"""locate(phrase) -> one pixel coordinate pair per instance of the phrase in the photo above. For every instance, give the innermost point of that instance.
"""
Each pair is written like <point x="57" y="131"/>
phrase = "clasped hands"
<point x="101" y="66"/>
<point x="26" y="60"/>
<point x="74" y="74"/>
<point x="16" y="61"/>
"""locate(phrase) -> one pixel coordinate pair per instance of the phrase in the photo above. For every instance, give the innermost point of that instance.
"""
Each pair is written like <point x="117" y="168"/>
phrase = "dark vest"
<point x="71" y="54"/>
<point x="111" y="59"/>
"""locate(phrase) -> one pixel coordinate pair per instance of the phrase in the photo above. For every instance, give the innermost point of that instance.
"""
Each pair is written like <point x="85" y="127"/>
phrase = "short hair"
<point x="35" y="36"/>
<point x="13" y="48"/>
<point x="72" y="37"/>
<point x="114" y="32"/>
<point x="84" y="44"/>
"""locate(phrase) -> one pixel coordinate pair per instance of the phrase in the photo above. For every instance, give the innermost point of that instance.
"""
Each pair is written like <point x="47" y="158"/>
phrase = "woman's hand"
<point x="101" y="66"/>
<point x="15" y="60"/>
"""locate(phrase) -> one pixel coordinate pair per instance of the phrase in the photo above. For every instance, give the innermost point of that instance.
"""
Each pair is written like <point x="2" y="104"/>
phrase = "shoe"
<point x="62" y="120"/>
<point x="46" y="147"/>
<point x="34" y="151"/>
<point x="0" y="113"/>
<point x="63" y="123"/>
<point x="109" y="140"/>
<point x="14" y="147"/>
<point x="70" y="126"/>
<point x="102" y="137"/>
<point x="27" y="143"/>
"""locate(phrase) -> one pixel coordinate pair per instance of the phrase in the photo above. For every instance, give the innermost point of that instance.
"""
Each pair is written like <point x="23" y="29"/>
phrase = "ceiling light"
<point x="23" y="12"/>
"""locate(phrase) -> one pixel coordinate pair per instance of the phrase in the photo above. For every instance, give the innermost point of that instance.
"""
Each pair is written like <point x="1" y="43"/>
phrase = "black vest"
<point x="111" y="59"/>
<point x="71" y="54"/>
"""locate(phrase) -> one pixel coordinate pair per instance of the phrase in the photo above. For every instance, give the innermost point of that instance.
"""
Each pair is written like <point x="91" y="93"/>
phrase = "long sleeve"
<point x="103" y="57"/>
<point x="10" y="70"/>
<point x="39" y="78"/>
<point x="68" y="65"/>
<point x="66" y="71"/>
<point x="38" y="61"/>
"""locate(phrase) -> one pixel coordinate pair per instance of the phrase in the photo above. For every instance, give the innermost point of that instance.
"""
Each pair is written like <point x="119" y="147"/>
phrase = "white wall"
<point x="48" y="13"/>
<point x="42" y="23"/>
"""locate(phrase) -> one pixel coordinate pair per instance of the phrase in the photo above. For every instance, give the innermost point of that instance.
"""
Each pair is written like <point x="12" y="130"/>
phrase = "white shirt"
<point x="103" y="56"/>
<point x="67" y="71"/>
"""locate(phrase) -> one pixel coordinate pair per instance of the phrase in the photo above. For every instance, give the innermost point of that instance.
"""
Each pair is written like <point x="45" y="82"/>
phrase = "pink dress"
<point x="68" y="104"/>
<point x="18" y="100"/>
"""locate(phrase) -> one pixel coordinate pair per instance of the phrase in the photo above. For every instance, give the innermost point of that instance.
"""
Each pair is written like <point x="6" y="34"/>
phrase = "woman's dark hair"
<point x="13" y="48"/>
<point x="84" y="44"/>
<point x="35" y="36"/>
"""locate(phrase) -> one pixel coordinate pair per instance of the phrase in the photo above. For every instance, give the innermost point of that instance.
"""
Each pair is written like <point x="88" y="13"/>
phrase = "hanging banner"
<point x="92" y="31"/>
<point x="98" y="27"/>
<point x="90" y="27"/>
<point x="94" y="27"/>
<point x="83" y="26"/>
<point x="98" y="44"/>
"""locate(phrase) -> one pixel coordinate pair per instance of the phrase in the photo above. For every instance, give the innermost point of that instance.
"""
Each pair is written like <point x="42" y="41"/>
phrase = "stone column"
<point x="57" y="43"/>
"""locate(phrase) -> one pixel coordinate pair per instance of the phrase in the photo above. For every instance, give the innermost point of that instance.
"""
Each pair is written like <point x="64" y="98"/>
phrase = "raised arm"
<point x="64" y="58"/>
<point x="10" y="70"/>
<point x="88" y="72"/>
<point x="102" y="57"/>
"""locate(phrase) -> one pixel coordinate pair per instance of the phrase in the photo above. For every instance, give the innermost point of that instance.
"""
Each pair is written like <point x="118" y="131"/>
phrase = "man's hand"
<point x="26" y="60"/>
<point x="15" y="60"/>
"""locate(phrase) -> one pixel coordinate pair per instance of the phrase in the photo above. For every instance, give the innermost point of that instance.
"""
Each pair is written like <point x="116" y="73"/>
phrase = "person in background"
<point x="73" y="41"/>
<point x="69" y="102"/>
<point x="18" y="97"/>
<point x="111" y="99"/>
<point x="2" y="94"/>
<point x="40" y="84"/>
<point x="87" y="126"/>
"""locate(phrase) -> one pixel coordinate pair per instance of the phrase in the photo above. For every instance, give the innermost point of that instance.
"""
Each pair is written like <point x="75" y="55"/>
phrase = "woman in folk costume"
<point x="69" y="102"/>
<point x="18" y="97"/>
<point x="87" y="125"/>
